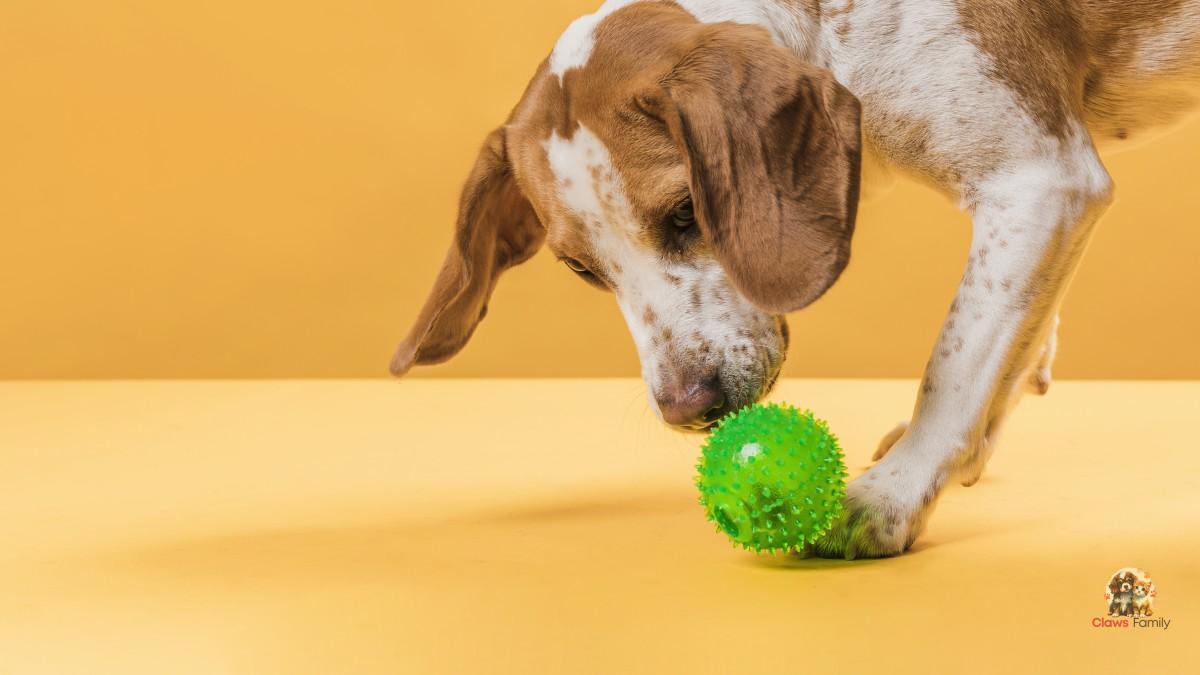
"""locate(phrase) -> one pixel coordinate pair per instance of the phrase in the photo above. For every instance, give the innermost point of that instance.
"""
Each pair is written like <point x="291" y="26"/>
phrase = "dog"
<point x="1120" y="591"/>
<point x="703" y="161"/>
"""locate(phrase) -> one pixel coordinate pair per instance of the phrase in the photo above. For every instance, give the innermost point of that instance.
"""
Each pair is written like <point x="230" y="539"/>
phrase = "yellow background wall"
<point x="248" y="189"/>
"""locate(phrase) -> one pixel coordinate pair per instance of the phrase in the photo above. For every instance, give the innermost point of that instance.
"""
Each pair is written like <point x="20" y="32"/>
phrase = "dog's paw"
<point x="889" y="440"/>
<point x="885" y="511"/>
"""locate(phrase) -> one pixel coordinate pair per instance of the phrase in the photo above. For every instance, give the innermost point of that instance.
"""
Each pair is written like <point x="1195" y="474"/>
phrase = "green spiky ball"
<point x="772" y="478"/>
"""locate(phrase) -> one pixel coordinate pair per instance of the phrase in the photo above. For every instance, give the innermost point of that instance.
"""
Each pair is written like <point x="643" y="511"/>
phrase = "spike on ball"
<point x="761" y="464"/>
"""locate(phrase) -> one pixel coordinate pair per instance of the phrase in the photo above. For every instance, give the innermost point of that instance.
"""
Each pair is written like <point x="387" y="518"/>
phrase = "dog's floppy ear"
<point x="773" y="147"/>
<point x="497" y="228"/>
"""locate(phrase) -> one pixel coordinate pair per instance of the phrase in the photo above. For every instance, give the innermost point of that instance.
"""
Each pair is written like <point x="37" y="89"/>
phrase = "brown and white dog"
<point x="702" y="160"/>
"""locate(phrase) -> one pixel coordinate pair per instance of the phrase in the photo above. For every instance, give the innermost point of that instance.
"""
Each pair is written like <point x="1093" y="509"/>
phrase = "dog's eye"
<point x="683" y="216"/>
<point x="575" y="266"/>
<point x="679" y="230"/>
<point x="584" y="273"/>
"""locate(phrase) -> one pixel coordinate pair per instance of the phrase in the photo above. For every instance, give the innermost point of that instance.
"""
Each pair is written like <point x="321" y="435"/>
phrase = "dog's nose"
<point x="694" y="406"/>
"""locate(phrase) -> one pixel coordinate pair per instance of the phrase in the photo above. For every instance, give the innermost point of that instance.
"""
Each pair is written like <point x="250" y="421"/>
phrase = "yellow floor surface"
<point x="478" y="526"/>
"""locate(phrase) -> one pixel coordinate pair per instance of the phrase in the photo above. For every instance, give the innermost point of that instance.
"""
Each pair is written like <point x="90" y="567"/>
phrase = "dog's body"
<point x="702" y="160"/>
<point x="1121" y="604"/>
<point x="1121" y="592"/>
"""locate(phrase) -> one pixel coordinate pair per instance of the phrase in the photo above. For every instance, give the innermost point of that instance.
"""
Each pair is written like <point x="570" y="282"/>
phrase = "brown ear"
<point x="773" y="148"/>
<point x="496" y="229"/>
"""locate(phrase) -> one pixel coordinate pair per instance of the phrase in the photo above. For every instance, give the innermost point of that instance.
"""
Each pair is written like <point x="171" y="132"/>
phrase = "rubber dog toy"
<point x="772" y="478"/>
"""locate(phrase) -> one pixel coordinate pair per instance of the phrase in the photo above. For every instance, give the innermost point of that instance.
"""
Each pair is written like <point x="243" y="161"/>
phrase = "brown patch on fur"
<point x="1068" y="59"/>
<point x="649" y="317"/>
<point x="780" y="222"/>
<point x="840" y="17"/>
<point x="1037" y="51"/>
<point x="497" y="228"/>
<point x="1116" y="31"/>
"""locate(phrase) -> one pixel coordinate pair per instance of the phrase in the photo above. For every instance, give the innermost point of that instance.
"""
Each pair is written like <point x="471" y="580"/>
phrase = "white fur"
<point x="745" y="347"/>
<point x="575" y="45"/>
<point x="571" y="160"/>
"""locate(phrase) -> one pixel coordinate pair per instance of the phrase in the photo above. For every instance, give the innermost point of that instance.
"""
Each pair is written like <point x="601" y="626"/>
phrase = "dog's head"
<point x="700" y="172"/>
<point x="1122" y="582"/>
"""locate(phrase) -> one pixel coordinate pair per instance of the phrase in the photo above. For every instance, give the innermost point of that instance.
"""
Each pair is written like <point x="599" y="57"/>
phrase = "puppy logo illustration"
<point x="1130" y="592"/>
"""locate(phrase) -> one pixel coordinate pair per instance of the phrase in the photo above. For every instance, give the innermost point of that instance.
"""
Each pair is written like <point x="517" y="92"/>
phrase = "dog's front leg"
<point x="1031" y="222"/>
